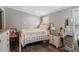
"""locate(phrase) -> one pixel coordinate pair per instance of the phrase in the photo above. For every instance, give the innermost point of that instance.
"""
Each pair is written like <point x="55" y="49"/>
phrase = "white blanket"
<point x="33" y="35"/>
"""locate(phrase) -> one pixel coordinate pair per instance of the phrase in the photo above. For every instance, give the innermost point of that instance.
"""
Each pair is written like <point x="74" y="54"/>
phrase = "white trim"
<point x="3" y="17"/>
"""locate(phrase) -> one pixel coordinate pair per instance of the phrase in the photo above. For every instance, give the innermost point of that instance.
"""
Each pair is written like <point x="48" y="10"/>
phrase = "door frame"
<point x="3" y="17"/>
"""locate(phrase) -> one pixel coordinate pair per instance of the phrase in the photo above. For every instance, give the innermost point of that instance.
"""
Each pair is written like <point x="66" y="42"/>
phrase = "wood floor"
<point x="37" y="47"/>
<point x="41" y="47"/>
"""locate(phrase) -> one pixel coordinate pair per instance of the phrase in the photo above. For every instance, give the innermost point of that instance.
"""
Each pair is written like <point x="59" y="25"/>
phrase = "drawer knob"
<point x="7" y="33"/>
<point x="7" y="39"/>
<point x="7" y="45"/>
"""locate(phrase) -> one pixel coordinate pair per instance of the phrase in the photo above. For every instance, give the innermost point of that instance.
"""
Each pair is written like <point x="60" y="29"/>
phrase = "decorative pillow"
<point x="44" y="23"/>
<point x="44" y="26"/>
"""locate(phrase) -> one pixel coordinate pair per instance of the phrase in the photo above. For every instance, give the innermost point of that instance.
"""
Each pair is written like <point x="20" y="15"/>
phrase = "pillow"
<point x="44" y="26"/>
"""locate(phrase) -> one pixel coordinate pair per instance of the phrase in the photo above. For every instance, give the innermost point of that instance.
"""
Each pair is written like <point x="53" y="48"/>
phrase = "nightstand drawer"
<point x="55" y="40"/>
<point x="50" y="39"/>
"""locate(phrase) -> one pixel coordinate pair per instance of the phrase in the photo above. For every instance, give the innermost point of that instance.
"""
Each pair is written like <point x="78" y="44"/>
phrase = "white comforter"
<point x="33" y="35"/>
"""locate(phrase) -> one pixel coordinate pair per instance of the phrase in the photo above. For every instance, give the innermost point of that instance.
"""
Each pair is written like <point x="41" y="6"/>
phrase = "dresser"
<point x="4" y="41"/>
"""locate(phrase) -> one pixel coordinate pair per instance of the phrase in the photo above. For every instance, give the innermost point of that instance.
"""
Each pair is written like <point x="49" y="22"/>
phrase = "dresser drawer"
<point x="4" y="42"/>
<point x="0" y="44"/>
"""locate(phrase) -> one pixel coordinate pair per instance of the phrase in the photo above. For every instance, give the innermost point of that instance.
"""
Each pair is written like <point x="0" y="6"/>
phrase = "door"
<point x="0" y="20"/>
<point x="75" y="13"/>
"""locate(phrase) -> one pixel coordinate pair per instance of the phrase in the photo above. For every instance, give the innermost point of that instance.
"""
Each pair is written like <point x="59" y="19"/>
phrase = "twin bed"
<point x="33" y="35"/>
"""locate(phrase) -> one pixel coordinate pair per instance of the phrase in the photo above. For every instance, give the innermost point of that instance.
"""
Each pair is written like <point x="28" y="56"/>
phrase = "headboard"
<point x="44" y="26"/>
<point x="44" y="23"/>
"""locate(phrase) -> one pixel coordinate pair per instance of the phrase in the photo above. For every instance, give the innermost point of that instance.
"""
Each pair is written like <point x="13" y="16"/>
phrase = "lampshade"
<point x="72" y="19"/>
<point x="52" y="28"/>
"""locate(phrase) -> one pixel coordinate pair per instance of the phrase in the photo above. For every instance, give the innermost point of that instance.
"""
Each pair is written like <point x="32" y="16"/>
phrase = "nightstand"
<point x="14" y="42"/>
<point x="14" y="37"/>
<point x="55" y="40"/>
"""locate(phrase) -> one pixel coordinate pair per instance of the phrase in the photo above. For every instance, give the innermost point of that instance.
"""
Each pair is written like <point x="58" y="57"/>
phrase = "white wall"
<point x="19" y="20"/>
<point x="45" y="19"/>
<point x="58" y="18"/>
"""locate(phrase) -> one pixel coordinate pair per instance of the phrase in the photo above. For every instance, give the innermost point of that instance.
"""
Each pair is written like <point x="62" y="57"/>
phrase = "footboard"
<point x="33" y="36"/>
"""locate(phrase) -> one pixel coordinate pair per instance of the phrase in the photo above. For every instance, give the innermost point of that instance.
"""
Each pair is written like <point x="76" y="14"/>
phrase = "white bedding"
<point x="33" y="35"/>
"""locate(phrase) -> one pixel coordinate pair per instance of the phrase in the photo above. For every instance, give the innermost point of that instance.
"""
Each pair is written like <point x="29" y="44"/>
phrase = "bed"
<point x="34" y="35"/>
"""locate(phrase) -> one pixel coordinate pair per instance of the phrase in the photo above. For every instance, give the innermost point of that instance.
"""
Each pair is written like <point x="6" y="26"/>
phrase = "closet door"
<point x="75" y="13"/>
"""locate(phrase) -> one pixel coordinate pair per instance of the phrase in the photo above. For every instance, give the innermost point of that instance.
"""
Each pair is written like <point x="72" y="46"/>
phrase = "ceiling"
<point x="39" y="10"/>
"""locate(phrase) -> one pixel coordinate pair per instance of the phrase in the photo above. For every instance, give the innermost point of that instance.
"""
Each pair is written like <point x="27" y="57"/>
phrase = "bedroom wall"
<point x="58" y="18"/>
<point x="19" y="20"/>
